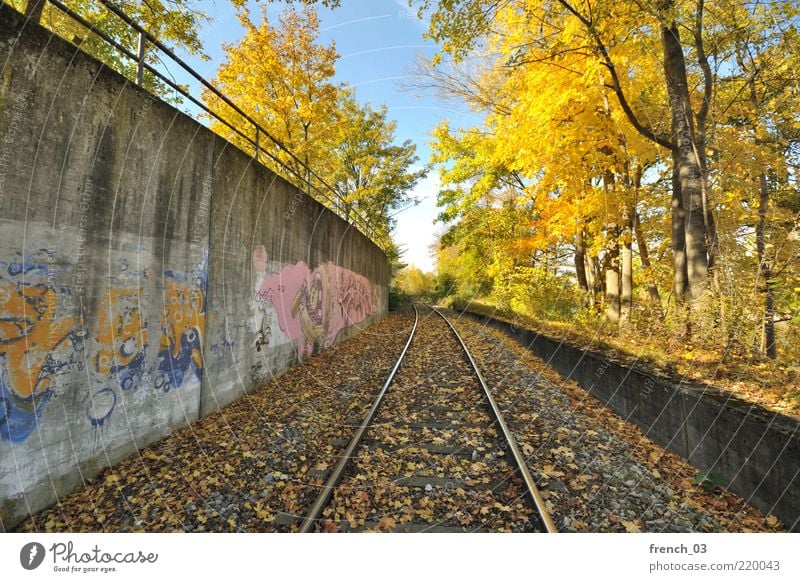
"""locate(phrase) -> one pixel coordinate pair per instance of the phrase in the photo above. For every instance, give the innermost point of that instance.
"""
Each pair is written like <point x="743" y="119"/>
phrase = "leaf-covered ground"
<point x="253" y="466"/>
<point x="433" y="459"/>
<point x="597" y="472"/>
<point x="258" y="464"/>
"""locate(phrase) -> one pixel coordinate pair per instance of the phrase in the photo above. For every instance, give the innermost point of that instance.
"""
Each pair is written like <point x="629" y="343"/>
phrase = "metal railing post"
<point x="140" y="59"/>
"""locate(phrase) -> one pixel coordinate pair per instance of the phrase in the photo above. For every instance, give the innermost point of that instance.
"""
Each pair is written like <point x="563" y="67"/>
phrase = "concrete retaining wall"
<point x="287" y="279"/>
<point x="150" y="273"/>
<point x="756" y="451"/>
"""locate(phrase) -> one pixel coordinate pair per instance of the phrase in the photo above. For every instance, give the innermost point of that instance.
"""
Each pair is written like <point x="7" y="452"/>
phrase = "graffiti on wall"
<point x="182" y="326"/>
<point x="37" y="346"/>
<point x="48" y="341"/>
<point x="309" y="307"/>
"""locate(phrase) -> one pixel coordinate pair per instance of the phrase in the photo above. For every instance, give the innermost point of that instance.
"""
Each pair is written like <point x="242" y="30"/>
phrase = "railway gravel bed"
<point x="254" y="466"/>
<point x="597" y="472"/>
<point x="433" y="458"/>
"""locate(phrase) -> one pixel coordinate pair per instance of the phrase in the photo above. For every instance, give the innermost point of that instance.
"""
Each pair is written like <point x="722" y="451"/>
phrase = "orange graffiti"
<point x="184" y="315"/>
<point x="29" y="333"/>
<point x="121" y="331"/>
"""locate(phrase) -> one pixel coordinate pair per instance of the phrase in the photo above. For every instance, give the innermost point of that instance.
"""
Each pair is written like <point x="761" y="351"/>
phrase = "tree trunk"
<point x="710" y="225"/>
<point x="611" y="266"/>
<point x="593" y="280"/>
<point x="593" y="277"/>
<point x="713" y="246"/>
<point x="644" y="255"/>
<point x="580" y="263"/>
<point x="687" y="172"/>
<point x="680" y="279"/>
<point x="765" y="269"/>
<point x="33" y="10"/>
<point x="626" y="295"/>
<point x="712" y="240"/>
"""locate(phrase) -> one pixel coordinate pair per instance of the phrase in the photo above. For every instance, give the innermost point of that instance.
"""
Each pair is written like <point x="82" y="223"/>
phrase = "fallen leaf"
<point x="631" y="527"/>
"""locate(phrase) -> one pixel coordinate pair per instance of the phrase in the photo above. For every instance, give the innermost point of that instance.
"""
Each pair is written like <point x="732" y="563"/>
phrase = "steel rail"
<point x="533" y="491"/>
<point x="336" y="475"/>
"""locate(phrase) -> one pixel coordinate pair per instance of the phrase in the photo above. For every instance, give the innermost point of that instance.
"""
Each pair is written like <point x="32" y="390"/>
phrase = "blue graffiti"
<point x="28" y="328"/>
<point x="127" y="374"/>
<point x="21" y="265"/>
<point x="101" y="405"/>
<point x="19" y="417"/>
<point x="173" y="369"/>
<point x="36" y="306"/>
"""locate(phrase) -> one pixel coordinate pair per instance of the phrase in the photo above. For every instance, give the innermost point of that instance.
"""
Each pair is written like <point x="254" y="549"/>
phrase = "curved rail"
<point x="533" y="491"/>
<point x="336" y="475"/>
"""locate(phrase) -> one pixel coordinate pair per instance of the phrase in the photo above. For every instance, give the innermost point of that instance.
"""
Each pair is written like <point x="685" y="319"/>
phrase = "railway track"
<point x="433" y="453"/>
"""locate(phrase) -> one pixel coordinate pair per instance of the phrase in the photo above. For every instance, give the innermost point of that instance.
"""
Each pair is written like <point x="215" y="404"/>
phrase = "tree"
<point x="562" y="29"/>
<point x="413" y="281"/>
<point x="761" y="119"/>
<point x="283" y="79"/>
<point x="315" y="132"/>
<point x="370" y="173"/>
<point x="620" y="37"/>
<point x="565" y="151"/>
<point x="628" y="129"/>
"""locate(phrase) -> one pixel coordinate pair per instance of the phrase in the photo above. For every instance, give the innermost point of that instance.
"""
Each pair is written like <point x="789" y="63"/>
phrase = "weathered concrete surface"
<point x="141" y="260"/>
<point x="305" y="277"/>
<point x="755" y="450"/>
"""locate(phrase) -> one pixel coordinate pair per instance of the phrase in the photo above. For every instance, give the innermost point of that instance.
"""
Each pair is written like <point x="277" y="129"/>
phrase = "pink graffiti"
<point x="314" y="306"/>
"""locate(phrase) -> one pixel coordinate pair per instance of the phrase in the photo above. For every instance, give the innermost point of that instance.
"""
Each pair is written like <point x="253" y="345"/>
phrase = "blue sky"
<point x="378" y="42"/>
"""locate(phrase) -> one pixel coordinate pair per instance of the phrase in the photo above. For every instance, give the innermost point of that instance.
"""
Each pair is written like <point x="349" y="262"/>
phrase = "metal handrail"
<point x="326" y="192"/>
<point x="142" y="66"/>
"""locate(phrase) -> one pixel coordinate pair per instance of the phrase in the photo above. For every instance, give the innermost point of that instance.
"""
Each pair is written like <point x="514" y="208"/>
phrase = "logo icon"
<point x="31" y="555"/>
